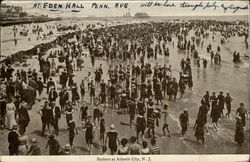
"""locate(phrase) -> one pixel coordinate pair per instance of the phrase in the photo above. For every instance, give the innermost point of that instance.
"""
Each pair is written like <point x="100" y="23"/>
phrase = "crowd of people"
<point x="133" y="85"/>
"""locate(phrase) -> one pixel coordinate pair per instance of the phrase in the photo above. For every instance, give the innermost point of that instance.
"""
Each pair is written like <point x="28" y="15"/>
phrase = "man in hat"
<point x="13" y="141"/>
<point x="184" y="122"/>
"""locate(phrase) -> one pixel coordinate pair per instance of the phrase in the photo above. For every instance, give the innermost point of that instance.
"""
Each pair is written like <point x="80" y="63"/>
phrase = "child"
<point x="124" y="149"/>
<point x="154" y="149"/>
<point x="145" y="149"/>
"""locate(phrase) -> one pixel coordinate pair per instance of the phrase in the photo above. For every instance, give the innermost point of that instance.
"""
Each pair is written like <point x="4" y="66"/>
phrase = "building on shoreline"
<point x="142" y="15"/>
<point x="14" y="15"/>
<point x="8" y="12"/>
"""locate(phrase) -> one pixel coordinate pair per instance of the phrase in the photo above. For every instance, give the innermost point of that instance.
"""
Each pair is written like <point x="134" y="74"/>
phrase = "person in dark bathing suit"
<point x="89" y="134"/>
<point x="228" y="101"/>
<point x="184" y="122"/>
<point x="112" y="138"/>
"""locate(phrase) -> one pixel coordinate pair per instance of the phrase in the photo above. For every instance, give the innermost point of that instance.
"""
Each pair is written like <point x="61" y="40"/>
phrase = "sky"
<point x="133" y="7"/>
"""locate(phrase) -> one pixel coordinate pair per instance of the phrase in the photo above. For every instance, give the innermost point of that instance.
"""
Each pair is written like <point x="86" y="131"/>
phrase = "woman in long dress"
<point x="10" y="114"/>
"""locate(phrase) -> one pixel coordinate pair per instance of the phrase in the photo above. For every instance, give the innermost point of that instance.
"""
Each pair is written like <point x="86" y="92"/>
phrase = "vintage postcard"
<point x="141" y="81"/>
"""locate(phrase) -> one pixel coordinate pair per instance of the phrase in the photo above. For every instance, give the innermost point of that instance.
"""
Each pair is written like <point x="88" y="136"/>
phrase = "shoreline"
<point x="23" y="55"/>
<point x="5" y="23"/>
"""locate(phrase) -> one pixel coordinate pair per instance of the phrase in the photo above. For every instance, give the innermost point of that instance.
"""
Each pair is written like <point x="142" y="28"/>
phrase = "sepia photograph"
<point x="124" y="79"/>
